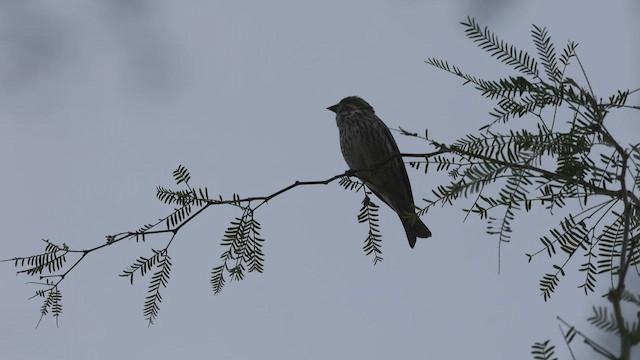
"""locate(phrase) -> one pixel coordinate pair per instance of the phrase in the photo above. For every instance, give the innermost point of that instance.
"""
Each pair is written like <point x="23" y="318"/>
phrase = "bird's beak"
<point x="333" y="108"/>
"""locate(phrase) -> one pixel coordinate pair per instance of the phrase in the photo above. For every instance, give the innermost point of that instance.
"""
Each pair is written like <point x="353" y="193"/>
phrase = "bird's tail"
<point x="415" y="228"/>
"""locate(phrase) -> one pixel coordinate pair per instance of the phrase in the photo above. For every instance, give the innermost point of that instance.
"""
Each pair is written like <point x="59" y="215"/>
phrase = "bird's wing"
<point x="398" y="160"/>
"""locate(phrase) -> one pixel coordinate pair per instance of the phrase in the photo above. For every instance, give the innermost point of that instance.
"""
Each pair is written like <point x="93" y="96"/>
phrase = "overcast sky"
<point x="100" y="101"/>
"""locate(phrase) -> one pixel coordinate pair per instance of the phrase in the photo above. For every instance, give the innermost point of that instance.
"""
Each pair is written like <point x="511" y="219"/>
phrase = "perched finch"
<point x="366" y="142"/>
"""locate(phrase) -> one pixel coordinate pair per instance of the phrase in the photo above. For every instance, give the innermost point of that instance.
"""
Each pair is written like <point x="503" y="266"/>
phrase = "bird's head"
<point x="351" y="103"/>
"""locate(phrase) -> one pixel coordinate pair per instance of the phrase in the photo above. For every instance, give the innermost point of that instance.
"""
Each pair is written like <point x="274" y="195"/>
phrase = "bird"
<point x="366" y="143"/>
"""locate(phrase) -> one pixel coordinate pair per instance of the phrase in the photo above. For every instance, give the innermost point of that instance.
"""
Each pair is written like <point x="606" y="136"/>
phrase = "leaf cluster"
<point x="243" y="251"/>
<point x="520" y="162"/>
<point x="553" y="162"/>
<point x="160" y="261"/>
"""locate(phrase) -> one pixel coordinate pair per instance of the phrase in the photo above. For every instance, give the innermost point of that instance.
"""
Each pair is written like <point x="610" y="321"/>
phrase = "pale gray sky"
<point x="100" y="101"/>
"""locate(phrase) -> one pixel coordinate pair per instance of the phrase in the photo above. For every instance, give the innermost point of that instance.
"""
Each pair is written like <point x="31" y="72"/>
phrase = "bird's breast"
<point x="363" y="143"/>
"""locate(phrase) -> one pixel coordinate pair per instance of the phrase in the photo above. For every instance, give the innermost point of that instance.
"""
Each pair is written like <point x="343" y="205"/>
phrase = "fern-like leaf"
<point x="178" y="215"/>
<point x="590" y="270"/>
<point x="254" y="254"/>
<point x="181" y="174"/>
<point x="373" y="243"/>
<point x="52" y="260"/>
<point x="142" y="265"/>
<point x="548" y="285"/>
<point x="543" y="351"/>
<point x="547" y="53"/>
<point x="609" y="244"/>
<point x="499" y="49"/>
<point x="217" y="279"/>
<point x="603" y="320"/>
<point x="159" y="279"/>
<point x="349" y="184"/>
<point x="568" y="52"/>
